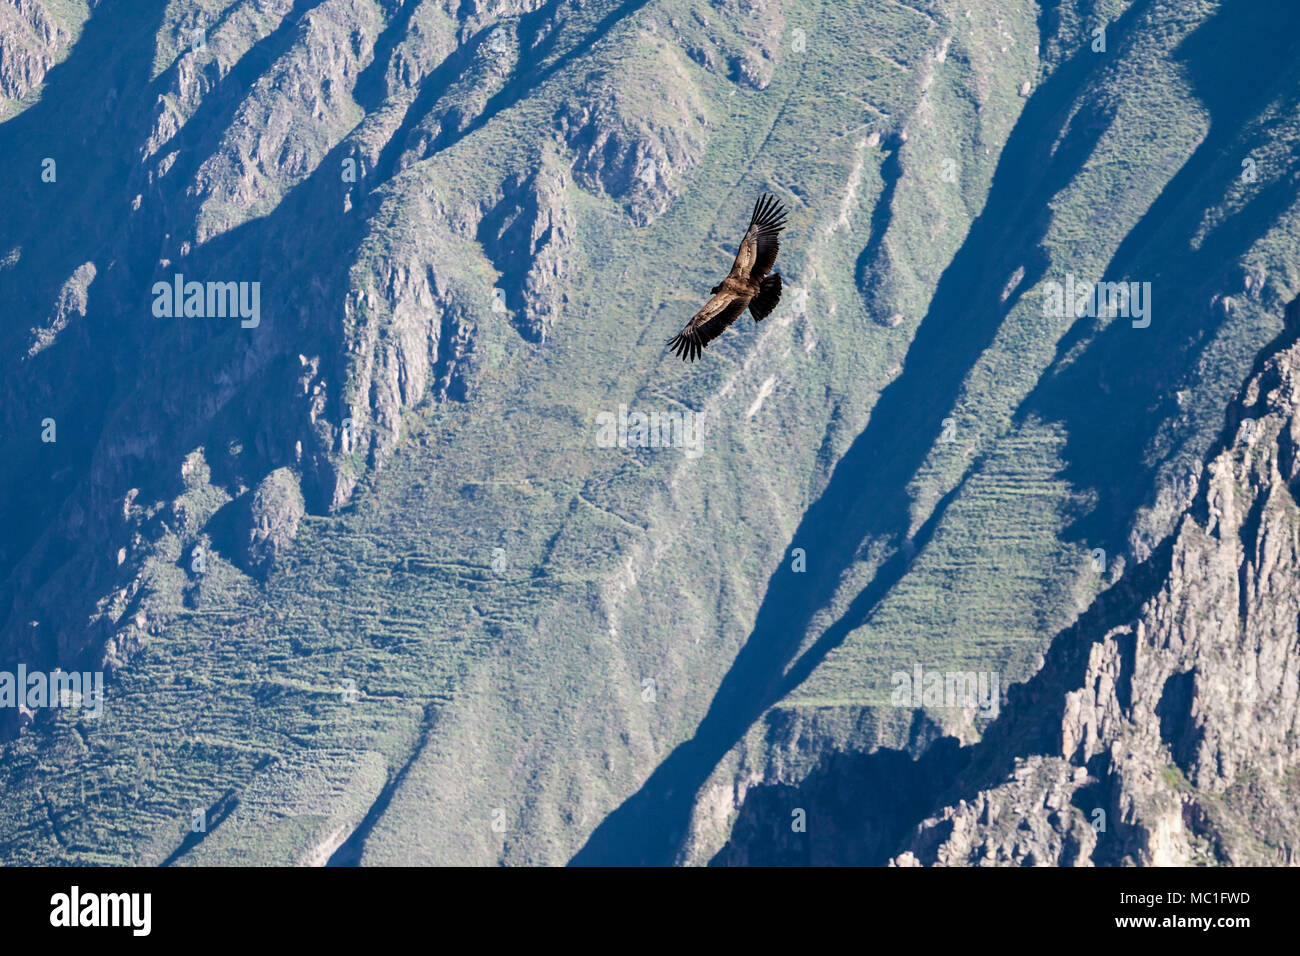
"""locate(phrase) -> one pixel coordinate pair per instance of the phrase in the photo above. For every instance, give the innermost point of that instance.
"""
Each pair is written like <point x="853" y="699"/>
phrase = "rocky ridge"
<point x="1166" y="722"/>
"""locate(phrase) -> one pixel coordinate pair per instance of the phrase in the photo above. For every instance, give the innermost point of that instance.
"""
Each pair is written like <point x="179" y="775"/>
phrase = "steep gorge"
<point x="363" y="577"/>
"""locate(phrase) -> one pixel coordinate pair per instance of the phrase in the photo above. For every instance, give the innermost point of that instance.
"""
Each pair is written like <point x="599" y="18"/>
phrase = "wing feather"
<point x="707" y="324"/>
<point x="754" y="260"/>
<point x="757" y="252"/>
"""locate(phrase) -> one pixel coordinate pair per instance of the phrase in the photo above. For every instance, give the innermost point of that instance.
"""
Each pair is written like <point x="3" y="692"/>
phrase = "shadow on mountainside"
<point x="1114" y="395"/>
<point x="866" y="498"/>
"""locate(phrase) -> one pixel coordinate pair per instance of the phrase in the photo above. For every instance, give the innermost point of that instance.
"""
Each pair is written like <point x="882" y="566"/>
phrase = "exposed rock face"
<point x="1028" y="821"/>
<point x="70" y="304"/>
<point x="529" y="237"/>
<point x="30" y="42"/>
<point x="384" y="170"/>
<point x="635" y="147"/>
<point x="1169" y="714"/>
<point x="747" y="51"/>
<point x="298" y="111"/>
<point x="311" y="149"/>
<point x="1160" y="729"/>
<point x="410" y="331"/>
<point x="274" y="511"/>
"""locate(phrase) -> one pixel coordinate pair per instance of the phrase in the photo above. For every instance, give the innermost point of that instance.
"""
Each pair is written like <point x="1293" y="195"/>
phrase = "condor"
<point x="747" y="284"/>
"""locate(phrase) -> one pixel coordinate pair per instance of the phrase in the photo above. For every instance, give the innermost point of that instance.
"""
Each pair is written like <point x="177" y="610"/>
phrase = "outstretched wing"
<point x="757" y="252"/>
<point x="707" y="324"/>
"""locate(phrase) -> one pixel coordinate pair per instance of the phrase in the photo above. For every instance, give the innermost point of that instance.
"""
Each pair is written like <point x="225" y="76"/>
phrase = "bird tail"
<point x="769" y="294"/>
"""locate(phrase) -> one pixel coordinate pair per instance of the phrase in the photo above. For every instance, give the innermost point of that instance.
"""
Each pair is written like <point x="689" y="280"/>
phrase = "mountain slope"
<point x="1165" y="734"/>
<point x="368" y="579"/>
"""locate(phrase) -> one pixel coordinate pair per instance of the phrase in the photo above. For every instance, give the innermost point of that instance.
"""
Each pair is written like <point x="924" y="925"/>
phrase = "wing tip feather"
<point x="769" y="214"/>
<point x="686" y="345"/>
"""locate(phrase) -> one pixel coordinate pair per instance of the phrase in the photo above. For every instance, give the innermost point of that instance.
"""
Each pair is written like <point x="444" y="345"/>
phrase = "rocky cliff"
<point x="1159" y="730"/>
<point x="371" y="584"/>
<point x="1165" y="725"/>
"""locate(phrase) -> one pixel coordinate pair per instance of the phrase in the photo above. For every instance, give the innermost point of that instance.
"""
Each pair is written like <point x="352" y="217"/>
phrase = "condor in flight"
<point x="747" y="284"/>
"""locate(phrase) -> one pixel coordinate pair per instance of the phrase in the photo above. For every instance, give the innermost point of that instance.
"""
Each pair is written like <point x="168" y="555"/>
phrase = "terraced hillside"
<point x="367" y="579"/>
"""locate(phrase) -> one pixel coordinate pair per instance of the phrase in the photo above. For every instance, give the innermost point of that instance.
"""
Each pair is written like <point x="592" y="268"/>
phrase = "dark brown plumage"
<point x="747" y="284"/>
